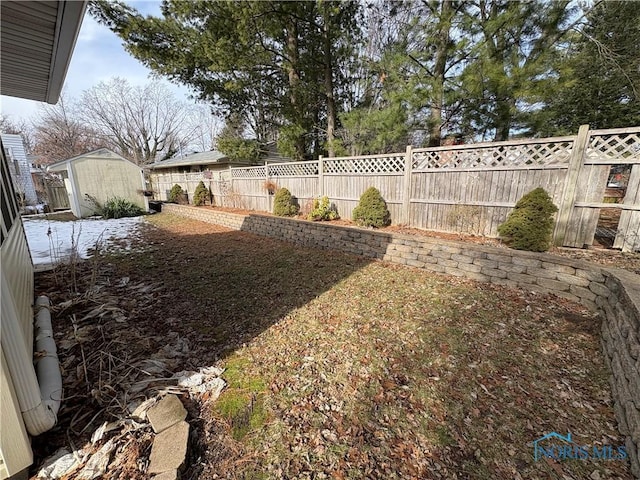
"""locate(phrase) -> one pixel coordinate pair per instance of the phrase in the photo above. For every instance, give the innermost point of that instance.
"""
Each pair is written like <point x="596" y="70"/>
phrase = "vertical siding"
<point x="16" y="278"/>
<point x="17" y="273"/>
<point x="23" y="183"/>
<point x="15" y="447"/>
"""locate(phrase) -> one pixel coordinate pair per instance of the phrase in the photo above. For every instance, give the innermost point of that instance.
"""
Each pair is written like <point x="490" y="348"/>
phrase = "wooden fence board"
<point x="628" y="237"/>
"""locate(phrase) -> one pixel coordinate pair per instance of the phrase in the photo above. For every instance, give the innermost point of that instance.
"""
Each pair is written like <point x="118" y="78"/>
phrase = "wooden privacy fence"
<point x="57" y="197"/>
<point x="161" y="182"/>
<point x="466" y="188"/>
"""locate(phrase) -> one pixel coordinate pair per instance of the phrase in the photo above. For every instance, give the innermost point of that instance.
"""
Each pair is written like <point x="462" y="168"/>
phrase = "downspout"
<point x="47" y="364"/>
<point x="39" y="401"/>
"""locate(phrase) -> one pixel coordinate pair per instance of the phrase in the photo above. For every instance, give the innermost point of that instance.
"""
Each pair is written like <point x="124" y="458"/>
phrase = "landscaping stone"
<point x="165" y="413"/>
<point x="170" y="475"/>
<point x="169" y="449"/>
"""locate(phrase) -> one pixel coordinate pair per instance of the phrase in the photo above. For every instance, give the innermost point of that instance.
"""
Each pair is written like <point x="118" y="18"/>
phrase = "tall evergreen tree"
<point x="511" y="64"/>
<point x="276" y="63"/>
<point x="599" y="83"/>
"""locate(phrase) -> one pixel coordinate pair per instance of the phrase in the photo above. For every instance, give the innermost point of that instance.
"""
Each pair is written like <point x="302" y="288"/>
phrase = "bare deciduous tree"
<point x="143" y="124"/>
<point x="22" y="128"/>
<point x="59" y="133"/>
<point x="205" y="127"/>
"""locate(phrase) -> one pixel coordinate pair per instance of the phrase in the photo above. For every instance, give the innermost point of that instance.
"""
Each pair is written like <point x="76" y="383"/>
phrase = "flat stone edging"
<point x="613" y="292"/>
<point x="169" y="448"/>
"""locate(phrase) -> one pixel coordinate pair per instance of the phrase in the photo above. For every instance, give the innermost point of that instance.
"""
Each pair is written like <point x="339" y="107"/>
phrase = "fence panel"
<point x="305" y="189"/>
<point x="58" y="197"/>
<point x="628" y="237"/>
<point x="605" y="148"/>
<point x="475" y="201"/>
<point x="345" y="179"/>
<point x="462" y="188"/>
<point x="344" y="191"/>
<point x="472" y="188"/>
<point x="592" y="181"/>
<point x="247" y="193"/>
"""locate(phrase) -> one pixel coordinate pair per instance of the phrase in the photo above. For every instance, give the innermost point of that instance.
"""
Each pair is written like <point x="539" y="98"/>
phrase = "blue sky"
<point x="98" y="56"/>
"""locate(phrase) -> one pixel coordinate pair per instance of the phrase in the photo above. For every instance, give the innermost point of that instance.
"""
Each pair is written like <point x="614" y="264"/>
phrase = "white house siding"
<point x="19" y="167"/>
<point x="16" y="277"/>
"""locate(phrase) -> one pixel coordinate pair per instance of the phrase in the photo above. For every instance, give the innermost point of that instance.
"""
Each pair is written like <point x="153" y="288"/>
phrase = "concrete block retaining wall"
<point x="613" y="292"/>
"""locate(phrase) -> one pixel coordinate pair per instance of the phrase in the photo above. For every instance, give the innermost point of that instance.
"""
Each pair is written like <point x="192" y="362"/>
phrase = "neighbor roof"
<point x="36" y="42"/>
<point x="203" y="158"/>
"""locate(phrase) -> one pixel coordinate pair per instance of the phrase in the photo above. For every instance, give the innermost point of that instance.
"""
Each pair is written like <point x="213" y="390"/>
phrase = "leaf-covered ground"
<point x="343" y="368"/>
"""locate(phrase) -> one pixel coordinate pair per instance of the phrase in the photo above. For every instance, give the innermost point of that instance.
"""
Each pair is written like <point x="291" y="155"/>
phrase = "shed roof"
<point x="202" y="158"/>
<point x="36" y="42"/>
<point x="98" y="154"/>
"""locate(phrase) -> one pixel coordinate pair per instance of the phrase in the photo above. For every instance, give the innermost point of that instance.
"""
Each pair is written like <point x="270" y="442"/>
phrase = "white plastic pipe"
<point x="46" y="363"/>
<point x="39" y="407"/>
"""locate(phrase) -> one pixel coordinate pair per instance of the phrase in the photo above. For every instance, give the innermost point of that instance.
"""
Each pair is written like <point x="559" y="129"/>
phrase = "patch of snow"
<point x="51" y="242"/>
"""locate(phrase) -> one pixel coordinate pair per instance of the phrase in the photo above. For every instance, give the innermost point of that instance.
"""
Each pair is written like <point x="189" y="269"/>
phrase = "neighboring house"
<point x="36" y="42"/>
<point x="271" y="154"/>
<point x="20" y="170"/>
<point x="187" y="171"/>
<point x="95" y="177"/>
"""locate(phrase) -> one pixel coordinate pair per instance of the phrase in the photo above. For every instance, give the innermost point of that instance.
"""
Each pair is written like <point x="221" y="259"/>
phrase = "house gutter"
<point x="39" y="389"/>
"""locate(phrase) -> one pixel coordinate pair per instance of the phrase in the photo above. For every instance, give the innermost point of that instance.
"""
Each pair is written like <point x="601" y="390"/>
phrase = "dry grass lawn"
<point x="343" y="368"/>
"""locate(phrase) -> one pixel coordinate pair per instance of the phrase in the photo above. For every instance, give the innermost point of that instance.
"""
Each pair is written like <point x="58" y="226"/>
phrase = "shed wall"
<point x="105" y="178"/>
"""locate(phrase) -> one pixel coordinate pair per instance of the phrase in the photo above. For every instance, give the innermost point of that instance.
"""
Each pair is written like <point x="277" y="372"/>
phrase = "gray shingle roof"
<point x="202" y="158"/>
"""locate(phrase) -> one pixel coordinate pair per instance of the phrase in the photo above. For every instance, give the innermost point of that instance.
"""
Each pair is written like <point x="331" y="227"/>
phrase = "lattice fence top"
<point x="298" y="169"/>
<point x="379" y="164"/>
<point x="505" y="155"/>
<point x="249" y="172"/>
<point x="614" y="146"/>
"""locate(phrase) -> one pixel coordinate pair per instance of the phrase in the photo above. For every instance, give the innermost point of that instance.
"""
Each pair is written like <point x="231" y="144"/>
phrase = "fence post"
<point x="406" y="188"/>
<point x="266" y="190"/>
<point x="571" y="184"/>
<point x="230" y="190"/>
<point x="320" y="176"/>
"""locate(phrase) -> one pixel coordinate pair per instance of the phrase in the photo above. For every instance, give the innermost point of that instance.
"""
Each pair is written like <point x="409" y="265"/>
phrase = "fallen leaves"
<point x="370" y="370"/>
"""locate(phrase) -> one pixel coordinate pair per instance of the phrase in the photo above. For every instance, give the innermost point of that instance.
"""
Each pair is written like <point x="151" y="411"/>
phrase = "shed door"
<point x="72" y="203"/>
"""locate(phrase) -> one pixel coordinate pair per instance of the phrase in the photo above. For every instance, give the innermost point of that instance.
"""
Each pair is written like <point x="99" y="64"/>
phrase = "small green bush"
<point x="322" y="210"/>
<point x="175" y="193"/>
<point x="201" y="194"/>
<point x="119" y="207"/>
<point x="284" y="205"/>
<point x="530" y="225"/>
<point x="372" y="210"/>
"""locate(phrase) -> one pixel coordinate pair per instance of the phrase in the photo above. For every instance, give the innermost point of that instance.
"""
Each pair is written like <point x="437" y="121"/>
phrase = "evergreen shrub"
<point x="284" y="204"/>
<point x="201" y="194"/>
<point x="119" y="207"/>
<point x="372" y="210"/>
<point x="530" y="225"/>
<point x="175" y="193"/>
